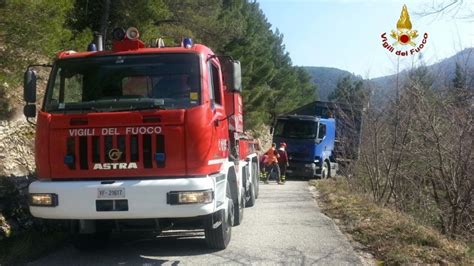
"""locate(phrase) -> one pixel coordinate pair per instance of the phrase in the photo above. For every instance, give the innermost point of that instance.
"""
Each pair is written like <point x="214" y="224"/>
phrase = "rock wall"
<point x="16" y="148"/>
<point x="16" y="172"/>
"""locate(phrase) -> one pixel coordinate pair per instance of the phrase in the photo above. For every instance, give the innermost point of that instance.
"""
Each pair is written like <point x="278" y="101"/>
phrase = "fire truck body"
<point x="144" y="134"/>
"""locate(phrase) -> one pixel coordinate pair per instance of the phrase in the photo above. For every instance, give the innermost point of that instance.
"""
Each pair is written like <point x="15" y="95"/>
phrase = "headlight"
<point x="44" y="199"/>
<point x="190" y="197"/>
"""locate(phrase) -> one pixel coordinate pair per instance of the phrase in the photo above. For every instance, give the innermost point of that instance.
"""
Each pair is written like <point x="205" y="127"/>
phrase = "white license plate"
<point x="109" y="193"/>
<point x="289" y="171"/>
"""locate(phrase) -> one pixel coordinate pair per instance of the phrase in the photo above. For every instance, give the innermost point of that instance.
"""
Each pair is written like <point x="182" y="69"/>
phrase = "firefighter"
<point x="283" y="162"/>
<point x="272" y="163"/>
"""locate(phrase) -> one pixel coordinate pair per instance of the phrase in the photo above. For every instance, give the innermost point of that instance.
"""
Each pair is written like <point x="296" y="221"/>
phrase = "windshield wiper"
<point x="117" y="105"/>
<point x="136" y="108"/>
<point x="81" y="108"/>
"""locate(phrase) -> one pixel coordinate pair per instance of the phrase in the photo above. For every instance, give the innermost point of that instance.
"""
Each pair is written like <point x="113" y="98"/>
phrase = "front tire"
<point x="219" y="237"/>
<point x="325" y="171"/>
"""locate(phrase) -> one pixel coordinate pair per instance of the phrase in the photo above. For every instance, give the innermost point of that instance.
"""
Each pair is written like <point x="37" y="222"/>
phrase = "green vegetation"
<point x="34" y="30"/>
<point x="350" y="91"/>
<point x="327" y="78"/>
<point x="393" y="237"/>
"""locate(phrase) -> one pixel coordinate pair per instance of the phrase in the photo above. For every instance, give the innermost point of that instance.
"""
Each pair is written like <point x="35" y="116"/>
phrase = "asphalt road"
<point x="284" y="227"/>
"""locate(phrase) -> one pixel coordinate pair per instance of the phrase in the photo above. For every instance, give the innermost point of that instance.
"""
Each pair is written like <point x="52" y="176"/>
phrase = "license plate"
<point x="111" y="193"/>
<point x="289" y="171"/>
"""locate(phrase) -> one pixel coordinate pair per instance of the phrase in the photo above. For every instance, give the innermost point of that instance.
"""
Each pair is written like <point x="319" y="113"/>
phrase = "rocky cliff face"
<point x="16" y="169"/>
<point x="16" y="148"/>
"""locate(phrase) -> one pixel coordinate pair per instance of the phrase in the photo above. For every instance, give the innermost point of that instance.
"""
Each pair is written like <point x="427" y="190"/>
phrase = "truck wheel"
<point x="251" y="201"/>
<point x="325" y="171"/>
<point x="256" y="179"/>
<point x="89" y="242"/>
<point x="219" y="238"/>
<point x="239" y="211"/>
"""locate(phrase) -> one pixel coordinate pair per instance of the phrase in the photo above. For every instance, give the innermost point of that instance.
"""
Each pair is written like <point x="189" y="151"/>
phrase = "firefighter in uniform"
<point x="263" y="166"/>
<point x="272" y="163"/>
<point x="283" y="162"/>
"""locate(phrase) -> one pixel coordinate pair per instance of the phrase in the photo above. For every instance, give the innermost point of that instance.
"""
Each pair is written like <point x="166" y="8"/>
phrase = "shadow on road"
<point x="137" y="248"/>
<point x="170" y="243"/>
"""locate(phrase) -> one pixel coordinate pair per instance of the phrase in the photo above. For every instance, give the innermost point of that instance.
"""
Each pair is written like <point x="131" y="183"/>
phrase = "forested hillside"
<point x="326" y="79"/>
<point x="32" y="31"/>
<point x="445" y="71"/>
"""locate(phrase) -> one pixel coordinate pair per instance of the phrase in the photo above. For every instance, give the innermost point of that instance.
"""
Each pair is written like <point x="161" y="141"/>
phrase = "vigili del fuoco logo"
<point x="406" y="41"/>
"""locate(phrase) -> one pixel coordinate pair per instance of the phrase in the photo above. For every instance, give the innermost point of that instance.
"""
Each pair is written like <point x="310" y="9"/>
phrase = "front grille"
<point x="141" y="149"/>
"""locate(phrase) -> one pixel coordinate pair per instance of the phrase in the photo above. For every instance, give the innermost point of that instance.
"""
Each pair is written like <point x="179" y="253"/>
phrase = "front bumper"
<point x="145" y="199"/>
<point x="303" y="169"/>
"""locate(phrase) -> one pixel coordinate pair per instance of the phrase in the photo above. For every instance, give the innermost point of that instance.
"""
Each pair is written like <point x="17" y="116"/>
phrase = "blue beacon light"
<point x="187" y="43"/>
<point x="92" y="47"/>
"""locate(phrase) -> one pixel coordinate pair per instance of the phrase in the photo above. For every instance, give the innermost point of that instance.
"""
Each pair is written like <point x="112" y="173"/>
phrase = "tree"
<point x="416" y="155"/>
<point x="105" y="15"/>
<point x="459" y="80"/>
<point x="351" y="92"/>
<point x="239" y="28"/>
<point x="462" y="94"/>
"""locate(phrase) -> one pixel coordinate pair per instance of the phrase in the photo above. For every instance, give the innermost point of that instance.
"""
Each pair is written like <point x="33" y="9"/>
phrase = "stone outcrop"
<point x="16" y="169"/>
<point x="16" y="148"/>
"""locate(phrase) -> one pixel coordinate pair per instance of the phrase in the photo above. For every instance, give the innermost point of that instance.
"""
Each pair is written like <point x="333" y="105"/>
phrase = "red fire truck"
<point x="142" y="138"/>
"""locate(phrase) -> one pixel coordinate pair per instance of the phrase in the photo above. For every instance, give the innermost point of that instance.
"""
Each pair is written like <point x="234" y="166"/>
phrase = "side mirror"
<point x="231" y="73"/>
<point x="29" y="86"/>
<point x="29" y="110"/>
<point x="237" y="76"/>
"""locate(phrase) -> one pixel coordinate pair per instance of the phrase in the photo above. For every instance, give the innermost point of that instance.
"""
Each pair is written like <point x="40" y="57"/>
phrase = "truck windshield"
<point x="132" y="82"/>
<point x="296" y="129"/>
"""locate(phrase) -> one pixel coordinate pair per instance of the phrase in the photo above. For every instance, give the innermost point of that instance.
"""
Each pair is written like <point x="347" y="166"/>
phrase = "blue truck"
<point x="321" y="138"/>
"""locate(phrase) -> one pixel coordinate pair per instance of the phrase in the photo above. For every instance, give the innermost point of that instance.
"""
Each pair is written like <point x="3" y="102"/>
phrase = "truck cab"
<point x="310" y="144"/>
<point x="321" y="137"/>
<point x="147" y="137"/>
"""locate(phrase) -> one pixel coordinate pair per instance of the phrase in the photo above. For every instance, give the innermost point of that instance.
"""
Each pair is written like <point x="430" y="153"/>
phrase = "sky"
<point x="346" y="34"/>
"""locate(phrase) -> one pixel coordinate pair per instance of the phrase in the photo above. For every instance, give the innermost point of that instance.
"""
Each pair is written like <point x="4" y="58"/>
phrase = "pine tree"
<point x="460" y="91"/>
<point x="239" y="28"/>
<point x="348" y="91"/>
<point x="459" y="80"/>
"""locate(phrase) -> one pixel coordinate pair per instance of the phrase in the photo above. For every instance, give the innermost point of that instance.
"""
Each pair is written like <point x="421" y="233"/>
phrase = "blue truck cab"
<point x="310" y="144"/>
<point x="321" y="138"/>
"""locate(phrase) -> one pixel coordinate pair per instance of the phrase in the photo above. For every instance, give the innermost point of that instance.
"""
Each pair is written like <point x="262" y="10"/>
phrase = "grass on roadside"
<point x="29" y="246"/>
<point x="390" y="236"/>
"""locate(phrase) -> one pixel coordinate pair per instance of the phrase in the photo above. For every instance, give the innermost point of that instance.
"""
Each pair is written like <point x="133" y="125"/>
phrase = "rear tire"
<point x="239" y="211"/>
<point x="256" y="179"/>
<point x="251" y="201"/>
<point x="219" y="238"/>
